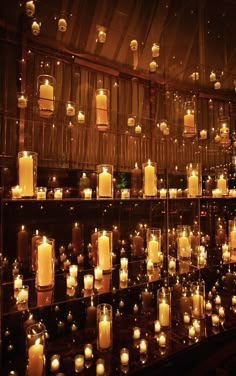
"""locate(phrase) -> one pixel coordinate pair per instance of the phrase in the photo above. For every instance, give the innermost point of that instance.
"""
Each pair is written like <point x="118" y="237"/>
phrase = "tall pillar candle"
<point x="104" y="326"/>
<point x="45" y="264"/>
<point x="77" y="238"/>
<point x="35" y="341"/>
<point x="149" y="179"/>
<point x="105" y="250"/>
<point x="164" y="306"/>
<point x="27" y="172"/>
<point x="105" y="183"/>
<point x="23" y="247"/>
<point x="102" y="109"/>
<point x="46" y="87"/>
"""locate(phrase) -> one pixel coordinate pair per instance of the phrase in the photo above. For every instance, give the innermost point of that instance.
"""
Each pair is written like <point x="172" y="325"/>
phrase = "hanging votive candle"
<point x="70" y="109"/>
<point x="222" y="181"/>
<point x="189" y="119"/>
<point x="131" y="121"/>
<point x="81" y="116"/>
<point x="198" y="299"/>
<point x="194" y="179"/>
<point x="21" y="101"/>
<point x="223" y="122"/>
<point x="164" y="307"/>
<point x="46" y="94"/>
<point x="102" y="109"/>
<point x="155" y="50"/>
<point x="104" y="327"/>
<point x="45" y="264"/>
<point x="35" y="342"/>
<point x="149" y="179"/>
<point x="153" y="236"/>
<point x="105" y="250"/>
<point x="105" y="181"/>
<point x="184" y="243"/>
<point x="27" y="172"/>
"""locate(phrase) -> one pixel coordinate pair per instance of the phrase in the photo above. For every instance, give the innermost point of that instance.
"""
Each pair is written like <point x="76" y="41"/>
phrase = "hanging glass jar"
<point x="102" y="109"/>
<point x="223" y="122"/>
<point x="189" y="119"/>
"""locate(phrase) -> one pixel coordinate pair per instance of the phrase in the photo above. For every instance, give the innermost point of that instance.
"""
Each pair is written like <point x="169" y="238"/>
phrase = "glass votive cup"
<point x="131" y="121"/>
<point x="41" y="193"/>
<point x="125" y="193"/>
<point x="54" y="363"/>
<point x="172" y="192"/>
<point x="87" y="193"/>
<point x="98" y="273"/>
<point x="58" y="193"/>
<point x="124" y="263"/>
<point x="191" y="332"/>
<point x="70" y="281"/>
<point x="171" y="265"/>
<point x="88" y="281"/>
<point x="186" y="318"/>
<point x="123" y="273"/>
<point x="70" y="108"/>
<point x="221" y="312"/>
<point x="18" y="281"/>
<point x="16" y="192"/>
<point x="208" y="306"/>
<point x="162" y="339"/>
<point x="73" y="270"/>
<point x="79" y="363"/>
<point x="143" y="346"/>
<point x="215" y="320"/>
<point x="88" y="351"/>
<point x="81" y="116"/>
<point x="136" y="332"/>
<point x="124" y="356"/>
<point x="21" y="100"/>
<point x="100" y="367"/>
<point x="163" y="193"/>
<point x="23" y="294"/>
<point x="217" y="300"/>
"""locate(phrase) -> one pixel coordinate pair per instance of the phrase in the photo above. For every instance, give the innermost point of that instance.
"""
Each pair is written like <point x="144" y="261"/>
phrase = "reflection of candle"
<point x="162" y="340"/>
<point x="157" y="326"/>
<point x="136" y="333"/>
<point x="26" y="179"/>
<point x="23" y="245"/>
<point x="36" y="360"/>
<point x="143" y="346"/>
<point x="164" y="313"/>
<point x="77" y="241"/>
<point x="197" y="305"/>
<point x="45" y="270"/>
<point x="193" y="184"/>
<point x="104" y="335"/>
<point x="149" y="180"/>
<point x="101" y="108"/>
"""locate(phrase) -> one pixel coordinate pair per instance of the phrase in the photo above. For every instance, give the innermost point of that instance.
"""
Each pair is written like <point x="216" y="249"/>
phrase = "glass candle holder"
<point x="70" y="108"/>
<point x="194" y="179"/>
<point x="18" y="281"/>
<point x="46" y="85"/>
<point x="198" y="299"/>
<point x="104" y="253"/>
<point x="131" y="121"/>
<point x="100" y="367"/>
<point x="123" y="277"/>
<point x="124" y="263"/>
<point x="41" y="193"/>
<point x="21" y="101"/>
<point x="88" y="351"/>
<point x="87" y="193"/>
<point x="104" y="327"/>
<point x="81" y="116"/>
<point x="164" y="306"/>
<point x="223" y="124"/>
<point x="16" y="192"/>
<point x="172" y="192"/>
<point x="58" y="193"/>
<point x="189" y="119"/>
<point x="45" y="264"/>
<point x="153" y="236"/>
<point x="184" y="243"/>
<point x="35" y="343"/>
<point x="88" y="281"/>
<point x="215" y="320"/>
<point x="79" y="363"/>
<point x="136" y="332"/>
<point x="222" y="181"/>
<point x="137" y="245"/>
<point x="143" y="346"/>
<point x="125" y="193"/>
<point x="22" y="294"/>
<point x="124" y="356"/>
<point x="136" y="180"/>
<point x="27" y="172"/>
<point x="149" y="179"/>
<point x="105" y="181"/>
<point x="55" y="363"/>
<point x="102" y="109"/>
<point x="70" y="282"/>
<point x="171" y="265"/>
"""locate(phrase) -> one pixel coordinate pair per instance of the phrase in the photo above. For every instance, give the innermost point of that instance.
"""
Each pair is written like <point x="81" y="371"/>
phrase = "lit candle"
<point x="153" y="250"/>
<point x="189" y="120"/>
<point x="157" y="326"/>
<point x="23" y="245"/>
<point x="149" y="180"/>
<point x="26" y="174"/>
<point x="16" y="192"/>
<point x="18" y="281"/>
<point x="138" y="129"/>
<point x="46" y="97"/>
<point x="104" y="253"/>
<point x="193" y="184"/>
<point x="36" y="360"/>
<point x="104" y="333"/>
<point x="198" y="307"/>
<point x="98" y="273"/>
<point x="58" y="193"/>
<point x="173" y="192"/>
<point x="55" y="363"/>
<point x="88" y="351"/>
<point x="70" y="109"/>
<point x="81" y="117"/>
<point x="131" y="121"/>
<point x="23" y="294"/>
<point x="22" y="102"/>
<point x="124" y="263"/>
<point x="143" y="346"/>
<point x="77" y="239"/>
<point x="184" y="246"/>
<point x="191" y="332"/>
<point x="136" y="332"/>
<point x="186" y="318"/>
<point x="100" y="367"/>
<point x="215" y="320"/>
<point x="203" y="134"/>
<point x="164" y="313"/>
<point x="163" y="192"/>
<point x="41" y="193"/>
<point x="87" y="193"/>
<point x="162" y="340"/>
<point x="88" y="281"/>
<point x="45" y="270"/>
<point x="234" y="300"/>
<point x="73" y="270"/>
<point x="221" y="312"/>
<point x="101" y="108"/>
<point x="208" y="306"/>
<point x="105" y="183"/>
<point x="233" y="237"/>
<point x="217" y="300"/>
<point x="70" y="282"/>
<point x="79" y="363"/>
<point x="124" y="356"/>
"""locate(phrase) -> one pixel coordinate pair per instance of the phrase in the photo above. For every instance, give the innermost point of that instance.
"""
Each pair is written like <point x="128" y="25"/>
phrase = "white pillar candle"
<point x="222" y="185"/>
<point x="153" y="250"/>
<point x="36" y="360"/>
<point x="88" y="281"/>
<point x="18" y="281"/>
<point x="45" y="270"/>
<point x="186" y="318"/>
<point x="198" y="304"/>
<point x="189" y="120"/>
<point x="164" y="313"/>
<point x="26" y="174"/>
<point x="124" y="263"/>
<point x="70" y="282"/>
<point x="123" y="275"/>
<point x="101" y="108"/>
<point x="105" y="183"/>
<point x="104" y="333"/>
<point x="104" y="252"/>
<point x="98" y="273"/>
<point x="73" y="270"/>
<point x="233" y="238"/>
<point x="162" y="340"/>
<point x="193" y="184"/>
<point x="46" y="97"/>
<point x="191" y="332"/>
<point x="149" y="180"/>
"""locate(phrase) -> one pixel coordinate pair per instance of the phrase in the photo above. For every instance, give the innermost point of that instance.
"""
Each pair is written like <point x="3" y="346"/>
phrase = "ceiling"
<point x="194" y="35"/>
